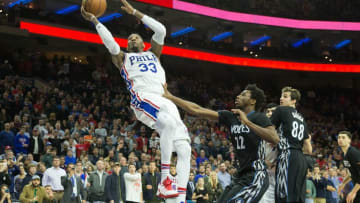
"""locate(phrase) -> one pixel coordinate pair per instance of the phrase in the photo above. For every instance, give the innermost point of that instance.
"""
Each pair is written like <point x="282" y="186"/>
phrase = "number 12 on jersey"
<point x="239" y="142"/>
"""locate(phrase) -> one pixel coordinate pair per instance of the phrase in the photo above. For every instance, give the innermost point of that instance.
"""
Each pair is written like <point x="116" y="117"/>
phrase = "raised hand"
<point x="127" y="7"/>
<point x="86" y="15"/>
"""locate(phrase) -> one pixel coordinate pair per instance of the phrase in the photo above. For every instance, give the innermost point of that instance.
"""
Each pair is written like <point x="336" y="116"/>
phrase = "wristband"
<point x="134" y="12"/>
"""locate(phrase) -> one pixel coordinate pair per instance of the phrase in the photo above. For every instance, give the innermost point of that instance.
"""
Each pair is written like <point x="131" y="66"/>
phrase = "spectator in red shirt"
<point x="141" y="141"/>
<point x="321" y="161"/>
<point x="82" y="146"/>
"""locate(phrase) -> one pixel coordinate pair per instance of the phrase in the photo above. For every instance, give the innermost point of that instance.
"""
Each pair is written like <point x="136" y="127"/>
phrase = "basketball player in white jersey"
<point x="270" y="160"/>
<point x="144" y="77"/>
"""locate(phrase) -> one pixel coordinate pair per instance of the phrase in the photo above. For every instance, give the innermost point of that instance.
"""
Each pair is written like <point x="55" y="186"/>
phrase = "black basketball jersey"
<point x="292" y="128"/>
<point x="249" y="147"/>
<point x="352" y="162"/>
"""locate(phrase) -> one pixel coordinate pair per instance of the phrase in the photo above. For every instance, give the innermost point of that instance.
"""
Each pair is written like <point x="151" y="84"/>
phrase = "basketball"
<point x="96" y="7"/>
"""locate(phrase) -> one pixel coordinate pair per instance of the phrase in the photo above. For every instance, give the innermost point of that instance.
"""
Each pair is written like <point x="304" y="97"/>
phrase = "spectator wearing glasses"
<point x="74" y="191"/>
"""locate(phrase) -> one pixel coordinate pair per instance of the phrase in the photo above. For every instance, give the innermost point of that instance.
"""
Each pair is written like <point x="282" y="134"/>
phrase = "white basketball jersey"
<point x="143" y="73"/>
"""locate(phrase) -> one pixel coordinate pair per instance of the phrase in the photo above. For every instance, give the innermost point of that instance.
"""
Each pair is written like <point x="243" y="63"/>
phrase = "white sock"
<point x="182" y="195"/>
<point x="165" y="171"/>
<point x="165" y="127"/>
<point x="183" y="150"/>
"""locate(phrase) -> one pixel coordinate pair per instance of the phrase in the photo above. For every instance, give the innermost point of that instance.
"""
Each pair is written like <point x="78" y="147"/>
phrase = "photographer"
<point x="74" y="191"/>
<point x="5" y="196"/>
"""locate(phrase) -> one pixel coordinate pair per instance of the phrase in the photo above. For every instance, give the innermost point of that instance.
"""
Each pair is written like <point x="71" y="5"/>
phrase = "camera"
<point x="7" y="190"/>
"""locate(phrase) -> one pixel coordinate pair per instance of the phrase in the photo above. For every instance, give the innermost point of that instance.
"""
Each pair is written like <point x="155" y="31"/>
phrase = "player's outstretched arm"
<point x="191" y="107"/>
<point x="106" y="37"/>
<point x="268" y="133"/>
<point x="157" y="40"/>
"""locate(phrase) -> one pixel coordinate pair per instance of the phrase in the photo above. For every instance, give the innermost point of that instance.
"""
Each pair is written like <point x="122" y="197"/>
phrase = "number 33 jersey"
<point x="143" y="73"/>
<point x="292" y="128"/>
<point x="249" y="147"/>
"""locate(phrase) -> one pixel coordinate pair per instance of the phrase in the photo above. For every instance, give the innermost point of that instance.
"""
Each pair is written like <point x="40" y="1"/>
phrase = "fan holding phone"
<point x="5" y="194"/>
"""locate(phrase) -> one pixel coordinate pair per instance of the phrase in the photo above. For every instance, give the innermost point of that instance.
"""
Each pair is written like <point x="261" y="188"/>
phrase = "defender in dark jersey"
<point x="291" y="165"/>
<point x="352" y="162"/>
<point x="248" y="127"/>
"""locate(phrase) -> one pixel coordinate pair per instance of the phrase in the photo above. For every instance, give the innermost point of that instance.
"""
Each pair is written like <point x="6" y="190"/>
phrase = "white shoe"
<point x="165" y="189"/>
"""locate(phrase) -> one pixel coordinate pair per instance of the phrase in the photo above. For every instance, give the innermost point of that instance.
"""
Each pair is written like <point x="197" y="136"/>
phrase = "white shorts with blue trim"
<point x="147" y="106"/>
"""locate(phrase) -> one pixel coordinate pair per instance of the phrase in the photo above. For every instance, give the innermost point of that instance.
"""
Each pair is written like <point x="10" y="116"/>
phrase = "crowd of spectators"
<point x="76" y="128"/>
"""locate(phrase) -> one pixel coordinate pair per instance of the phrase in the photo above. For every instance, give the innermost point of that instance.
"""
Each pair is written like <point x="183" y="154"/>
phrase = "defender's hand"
<point x="242" y="116"/>
<point x="127" y="7"/>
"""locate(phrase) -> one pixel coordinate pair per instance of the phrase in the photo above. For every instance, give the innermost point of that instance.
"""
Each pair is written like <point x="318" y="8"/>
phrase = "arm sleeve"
<point x="63" y="181"/>
<point x="130" y="177"/>
<point x="108" y="39"/>
<point x="158" y="28"/>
